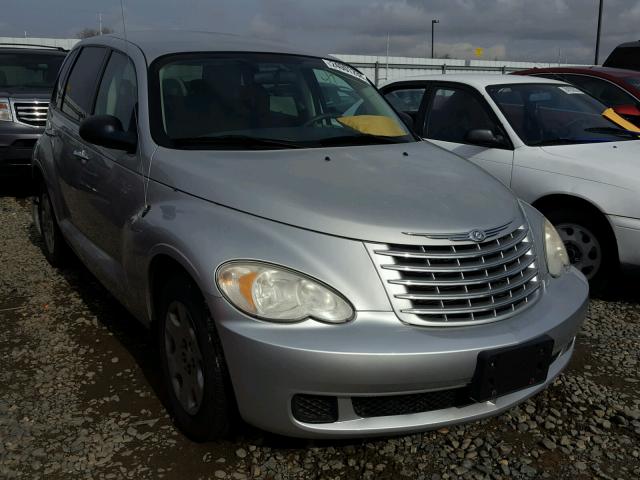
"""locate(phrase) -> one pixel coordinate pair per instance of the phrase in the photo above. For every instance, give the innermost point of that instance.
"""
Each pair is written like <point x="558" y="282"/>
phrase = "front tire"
<point x="590" y="246"/>
<point x="193" y="366"/>
<point x="54" y="245"/>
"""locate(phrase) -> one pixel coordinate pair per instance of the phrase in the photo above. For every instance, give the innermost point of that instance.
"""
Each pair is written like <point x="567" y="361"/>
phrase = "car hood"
<point x="372" y="193"/>
<point x="19" y="94"/>
<point x="614" y="163"/>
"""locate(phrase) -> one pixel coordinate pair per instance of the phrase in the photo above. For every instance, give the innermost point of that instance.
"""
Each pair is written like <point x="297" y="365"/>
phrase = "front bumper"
<point x="627" y="231"/>
<point x="377" y="355"/>
<point x="15" y="152"/>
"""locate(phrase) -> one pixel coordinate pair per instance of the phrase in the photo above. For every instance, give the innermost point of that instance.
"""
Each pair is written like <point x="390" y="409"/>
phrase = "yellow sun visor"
<point x="610" y="114"/>
<point x="374" y="125"/>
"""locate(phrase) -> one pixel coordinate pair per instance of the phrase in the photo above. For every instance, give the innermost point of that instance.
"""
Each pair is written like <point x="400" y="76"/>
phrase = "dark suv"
<point x="625" y="55"/>
<point x="27" y="75"/>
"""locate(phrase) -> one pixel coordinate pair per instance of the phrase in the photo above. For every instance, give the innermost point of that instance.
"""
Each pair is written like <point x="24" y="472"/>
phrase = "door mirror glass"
<point x="106" y="131"/>
<point x="484" y="137"/>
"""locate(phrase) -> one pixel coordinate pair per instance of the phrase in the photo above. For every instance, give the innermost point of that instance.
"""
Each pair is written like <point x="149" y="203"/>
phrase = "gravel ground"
<point x="80" y="398"/>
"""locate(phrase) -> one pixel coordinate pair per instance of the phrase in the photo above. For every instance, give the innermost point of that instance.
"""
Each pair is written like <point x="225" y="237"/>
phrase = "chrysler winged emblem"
<point x="477" y="235"/>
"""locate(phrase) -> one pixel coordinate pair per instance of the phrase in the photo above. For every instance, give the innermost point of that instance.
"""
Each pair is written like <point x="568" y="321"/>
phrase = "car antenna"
<point x="145" y="185"/>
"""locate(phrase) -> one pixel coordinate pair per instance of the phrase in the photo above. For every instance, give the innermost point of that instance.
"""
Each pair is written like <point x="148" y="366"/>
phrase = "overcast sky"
<point x="535" y="30"/>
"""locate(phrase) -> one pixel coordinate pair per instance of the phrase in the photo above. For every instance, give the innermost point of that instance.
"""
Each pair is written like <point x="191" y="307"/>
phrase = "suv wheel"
<point x="193" y="366"/>
<point x="589" y="245"/>
<point x="53" y="244"/>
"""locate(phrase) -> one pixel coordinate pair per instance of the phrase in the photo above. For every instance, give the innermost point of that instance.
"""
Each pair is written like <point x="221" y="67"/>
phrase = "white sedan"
<point x="557" y="147"/>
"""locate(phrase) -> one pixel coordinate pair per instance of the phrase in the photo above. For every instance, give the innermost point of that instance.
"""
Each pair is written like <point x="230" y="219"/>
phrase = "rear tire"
<point x="54" y="246"/>
<point x="590" y="246"/>
<point x="193" y="365"/>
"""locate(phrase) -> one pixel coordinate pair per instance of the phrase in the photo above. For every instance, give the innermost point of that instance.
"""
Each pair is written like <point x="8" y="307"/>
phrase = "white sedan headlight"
<point x="278" y="294"/>
<point x="557" y="258"/>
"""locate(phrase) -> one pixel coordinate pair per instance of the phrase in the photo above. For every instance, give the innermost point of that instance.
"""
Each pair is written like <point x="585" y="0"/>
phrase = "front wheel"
<point x="54" y="246"/>
<point x="193" y="365"/>
<point x="589" y="246"/>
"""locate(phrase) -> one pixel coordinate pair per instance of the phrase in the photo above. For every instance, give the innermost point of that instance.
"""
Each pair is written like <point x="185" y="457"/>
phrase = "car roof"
<point x="478" y="81"/>
<point x="595" y="70"/>
<point x="157" y="43"/>
<point x="634" y="43"/>
<point x="27" y="50"/>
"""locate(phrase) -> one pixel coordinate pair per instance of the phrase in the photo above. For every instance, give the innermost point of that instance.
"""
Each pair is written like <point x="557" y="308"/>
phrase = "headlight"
<point x="5" y="110"/>
<point x="278" y="294"/>
<point x="557" y="258"/>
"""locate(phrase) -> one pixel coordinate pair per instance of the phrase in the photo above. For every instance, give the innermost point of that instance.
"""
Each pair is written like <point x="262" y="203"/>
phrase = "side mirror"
<point x="484" y="137"/>
<point x="107" y="131"/>
<point x="627" y="110"/>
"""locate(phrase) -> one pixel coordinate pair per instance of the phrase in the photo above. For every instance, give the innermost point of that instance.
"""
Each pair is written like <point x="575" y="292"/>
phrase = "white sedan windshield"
<point x="547" y="114"/>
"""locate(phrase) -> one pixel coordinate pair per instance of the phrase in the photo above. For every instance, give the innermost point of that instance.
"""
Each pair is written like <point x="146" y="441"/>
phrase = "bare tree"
<point x="92" y="32"/>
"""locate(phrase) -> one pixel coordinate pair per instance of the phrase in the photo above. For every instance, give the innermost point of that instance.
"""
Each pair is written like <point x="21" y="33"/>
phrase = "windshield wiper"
<point x="361" y="139"/>
<point x="235" y="141"/>
<point x="620" y="132"/>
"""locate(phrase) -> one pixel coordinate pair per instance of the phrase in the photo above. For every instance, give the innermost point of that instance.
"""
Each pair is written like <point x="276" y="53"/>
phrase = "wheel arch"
<point x="558" y="201"/>
<point x="37" y="174"/>
<point x="163" y="265"/>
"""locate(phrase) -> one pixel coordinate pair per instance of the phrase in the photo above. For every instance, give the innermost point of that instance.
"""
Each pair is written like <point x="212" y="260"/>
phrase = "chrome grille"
<point x="460" y="282"/>
<point x="32" y="112"/>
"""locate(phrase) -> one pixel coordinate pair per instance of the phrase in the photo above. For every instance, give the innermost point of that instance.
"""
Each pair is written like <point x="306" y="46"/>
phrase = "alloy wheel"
<point x="184" y="358"/>
<point x="583" y="247"/>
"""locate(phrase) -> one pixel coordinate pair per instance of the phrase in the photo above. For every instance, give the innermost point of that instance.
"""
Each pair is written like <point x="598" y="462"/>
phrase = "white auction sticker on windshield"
<point x="341" y="67"/>
<point x="571" y="90"/>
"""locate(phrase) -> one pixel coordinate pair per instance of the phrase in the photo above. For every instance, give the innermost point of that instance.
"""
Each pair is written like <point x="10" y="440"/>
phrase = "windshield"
<point x="28" y="70"/>
<point x="267" y="101"/>
<point x="546" y="114"/>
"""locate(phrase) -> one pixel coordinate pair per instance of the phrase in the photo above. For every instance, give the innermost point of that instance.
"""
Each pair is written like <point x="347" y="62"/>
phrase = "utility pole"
<point x="100" y="23"/>
<point x="386" y="73"/>
<point x="433" y="22"/>
<point x="598" y="34"/>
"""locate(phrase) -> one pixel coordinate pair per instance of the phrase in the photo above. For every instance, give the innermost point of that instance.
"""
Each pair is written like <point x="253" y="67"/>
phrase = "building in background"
<point x="379" y="68"/>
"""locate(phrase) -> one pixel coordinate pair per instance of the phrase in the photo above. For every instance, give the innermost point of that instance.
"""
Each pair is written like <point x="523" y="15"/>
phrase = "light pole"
<point x="433" y="22"/>
<point x="598" y="34"/>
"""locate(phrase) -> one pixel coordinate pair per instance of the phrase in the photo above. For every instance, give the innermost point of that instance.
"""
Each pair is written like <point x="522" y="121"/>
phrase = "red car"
<point x="616" y="88"/>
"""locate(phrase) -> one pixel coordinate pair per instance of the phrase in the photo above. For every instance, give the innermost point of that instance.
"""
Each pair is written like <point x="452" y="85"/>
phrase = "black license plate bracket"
<point x="509" y="369"/>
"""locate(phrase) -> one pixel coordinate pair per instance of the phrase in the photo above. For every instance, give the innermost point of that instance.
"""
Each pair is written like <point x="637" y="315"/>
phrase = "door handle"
<point x="82" y="155"/>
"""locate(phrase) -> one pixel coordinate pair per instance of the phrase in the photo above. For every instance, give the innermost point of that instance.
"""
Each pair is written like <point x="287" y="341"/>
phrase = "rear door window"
<point x="81" y="86"/>
<point x="406" y="100"/>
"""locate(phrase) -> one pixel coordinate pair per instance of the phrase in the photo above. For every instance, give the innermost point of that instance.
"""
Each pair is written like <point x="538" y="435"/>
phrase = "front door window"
<point x="453" y="113"/>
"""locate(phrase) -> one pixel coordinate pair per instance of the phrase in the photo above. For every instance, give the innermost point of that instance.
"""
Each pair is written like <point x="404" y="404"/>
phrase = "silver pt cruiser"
<point x="300" y="254"/>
